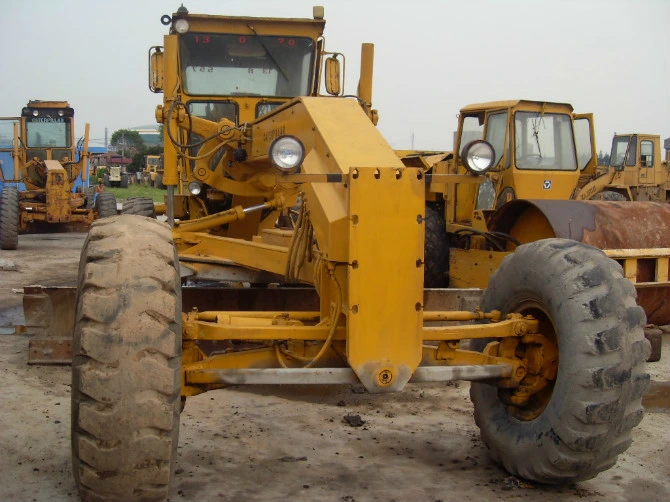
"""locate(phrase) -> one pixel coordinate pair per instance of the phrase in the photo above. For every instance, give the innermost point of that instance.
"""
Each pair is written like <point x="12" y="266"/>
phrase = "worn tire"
<point x="124" y="181"/>
<point x="610" y="195"/>
<point x="105" y="205"/>
<point x="655" y="338"/>
<point x="90" y="197"/>
<point x="9" y="218"/>
<point x="581" y="298"/>
<point x="142" y="206"/>
<point x="436" y="249"/>
<point x="105" y="180"/>
<point x="126" y="368"/>
<point x="159" y="181"/>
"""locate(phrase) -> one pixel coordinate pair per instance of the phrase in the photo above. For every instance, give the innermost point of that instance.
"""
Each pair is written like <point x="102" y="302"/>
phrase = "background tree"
<point x="127" y="142"/>
<point x="603" y="158"/>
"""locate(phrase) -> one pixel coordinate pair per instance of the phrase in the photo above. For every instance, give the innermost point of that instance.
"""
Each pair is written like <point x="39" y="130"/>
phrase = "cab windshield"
<point x="544" y="142"/>
<point x="246" y="65"/>
<point x="48" y="132"/>
<point x="619" y="150"/>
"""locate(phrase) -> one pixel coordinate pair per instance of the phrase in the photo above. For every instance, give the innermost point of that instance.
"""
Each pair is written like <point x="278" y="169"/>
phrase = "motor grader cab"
<point x="44" y="155"/>
<point x="248" y="136"/>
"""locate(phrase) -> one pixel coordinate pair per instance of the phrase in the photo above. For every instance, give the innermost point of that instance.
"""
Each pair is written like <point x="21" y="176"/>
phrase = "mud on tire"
<point x="126" y="371"/>
<point x="9" y="218"/>
<point x="580" y="294"/>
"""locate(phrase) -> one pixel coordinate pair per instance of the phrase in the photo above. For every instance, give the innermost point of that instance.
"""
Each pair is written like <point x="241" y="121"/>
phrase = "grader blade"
<point x="49" y="310"/>
<point x="636" y="234"/>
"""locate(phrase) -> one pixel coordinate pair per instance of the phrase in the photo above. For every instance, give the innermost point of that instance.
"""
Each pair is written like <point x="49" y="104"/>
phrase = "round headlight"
<point x="287" y="153"/>
<point x="61" y="113"/>
<point x="181" y="26"/>
<point x="478" y="156"/>
<point x="195" y="187"/>
<point x="36" y="113"/>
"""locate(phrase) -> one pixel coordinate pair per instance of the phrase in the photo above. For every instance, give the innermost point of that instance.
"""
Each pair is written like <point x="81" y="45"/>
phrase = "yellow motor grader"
<point x="268" y="174"/>
<point x="44" y="155"/>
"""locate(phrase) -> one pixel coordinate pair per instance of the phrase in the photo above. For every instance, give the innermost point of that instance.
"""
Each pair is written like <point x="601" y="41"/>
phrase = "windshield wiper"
<point x="260" y="40"/>
<point x="536" y="131"/>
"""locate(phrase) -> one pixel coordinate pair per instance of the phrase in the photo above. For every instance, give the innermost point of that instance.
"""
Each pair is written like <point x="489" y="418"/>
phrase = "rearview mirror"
<point x="333" y="76"/>
<point x="156" y="74"/>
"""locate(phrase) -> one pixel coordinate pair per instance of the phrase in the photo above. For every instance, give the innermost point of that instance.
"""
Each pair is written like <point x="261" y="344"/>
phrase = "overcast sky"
<point x="432" y="57"/>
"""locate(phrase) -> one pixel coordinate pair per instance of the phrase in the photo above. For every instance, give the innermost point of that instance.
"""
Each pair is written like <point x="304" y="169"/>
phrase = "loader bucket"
<point x="636" y="234"/>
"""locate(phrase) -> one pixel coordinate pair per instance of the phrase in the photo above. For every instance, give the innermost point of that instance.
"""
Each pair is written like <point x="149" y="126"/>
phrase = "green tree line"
<point x="129" y="143"/>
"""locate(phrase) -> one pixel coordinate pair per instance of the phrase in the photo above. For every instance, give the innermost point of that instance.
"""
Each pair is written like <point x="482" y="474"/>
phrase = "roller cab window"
<point x="544" y="142"/>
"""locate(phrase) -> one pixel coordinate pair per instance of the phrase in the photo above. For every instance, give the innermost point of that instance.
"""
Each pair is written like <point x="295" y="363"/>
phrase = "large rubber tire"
<point x="90" y="197"/>
<point x="436" y="249"/>
<point x="159" y="181"/>
<point x="9" y="218"/>
<point x="610" y="196"/>
<point x="105" y="205"/>
<point x="142" y="206"/>
<point x="582" y="299"/>
<point x="126" y="368"/>
<point x="105" y="180"/>
<point x="124" y="181"/>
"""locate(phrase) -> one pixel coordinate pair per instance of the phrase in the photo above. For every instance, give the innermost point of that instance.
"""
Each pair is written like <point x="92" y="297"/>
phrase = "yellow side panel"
<point x="472" y="268"/>
<point x="385" y="295"/>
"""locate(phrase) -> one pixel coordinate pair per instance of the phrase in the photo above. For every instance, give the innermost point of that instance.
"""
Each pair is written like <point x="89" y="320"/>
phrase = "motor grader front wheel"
<point x="577" y="425"/>
<point x="126" y="369"/>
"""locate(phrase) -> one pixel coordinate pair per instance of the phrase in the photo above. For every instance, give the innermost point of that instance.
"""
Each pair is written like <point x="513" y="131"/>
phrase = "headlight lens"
<point x="181" y="26"/>
<point x="287" y="153"/>
<point x="36" y="113"/>
<point x="195" y="187"/>
<point x="478" y="156"/>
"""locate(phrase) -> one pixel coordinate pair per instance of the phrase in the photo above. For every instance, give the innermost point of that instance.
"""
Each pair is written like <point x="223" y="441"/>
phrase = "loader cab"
<point x="637" y="159"/>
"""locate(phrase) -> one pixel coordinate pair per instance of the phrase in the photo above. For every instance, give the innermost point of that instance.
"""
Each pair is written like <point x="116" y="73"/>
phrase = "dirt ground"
<point x="292" y="442"/>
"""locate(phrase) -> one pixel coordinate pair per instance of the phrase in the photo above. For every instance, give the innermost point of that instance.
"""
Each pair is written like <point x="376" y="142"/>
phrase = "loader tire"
<point x="105" y="180"/>
<point x="584" y="419"/>
<point x="610" y="196"/>
<point x="126" y="367"/>
<point x="436" y="249"/>
<point x="105" y="205"/>
<point x="9" y="218"/>
<point x="142" y="206"/>
<point x="159" y="181"/>
<point x="124" y="181"/>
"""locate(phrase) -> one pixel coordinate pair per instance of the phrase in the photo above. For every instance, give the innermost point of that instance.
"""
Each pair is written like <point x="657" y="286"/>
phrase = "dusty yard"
<point x="291" y="443"/>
